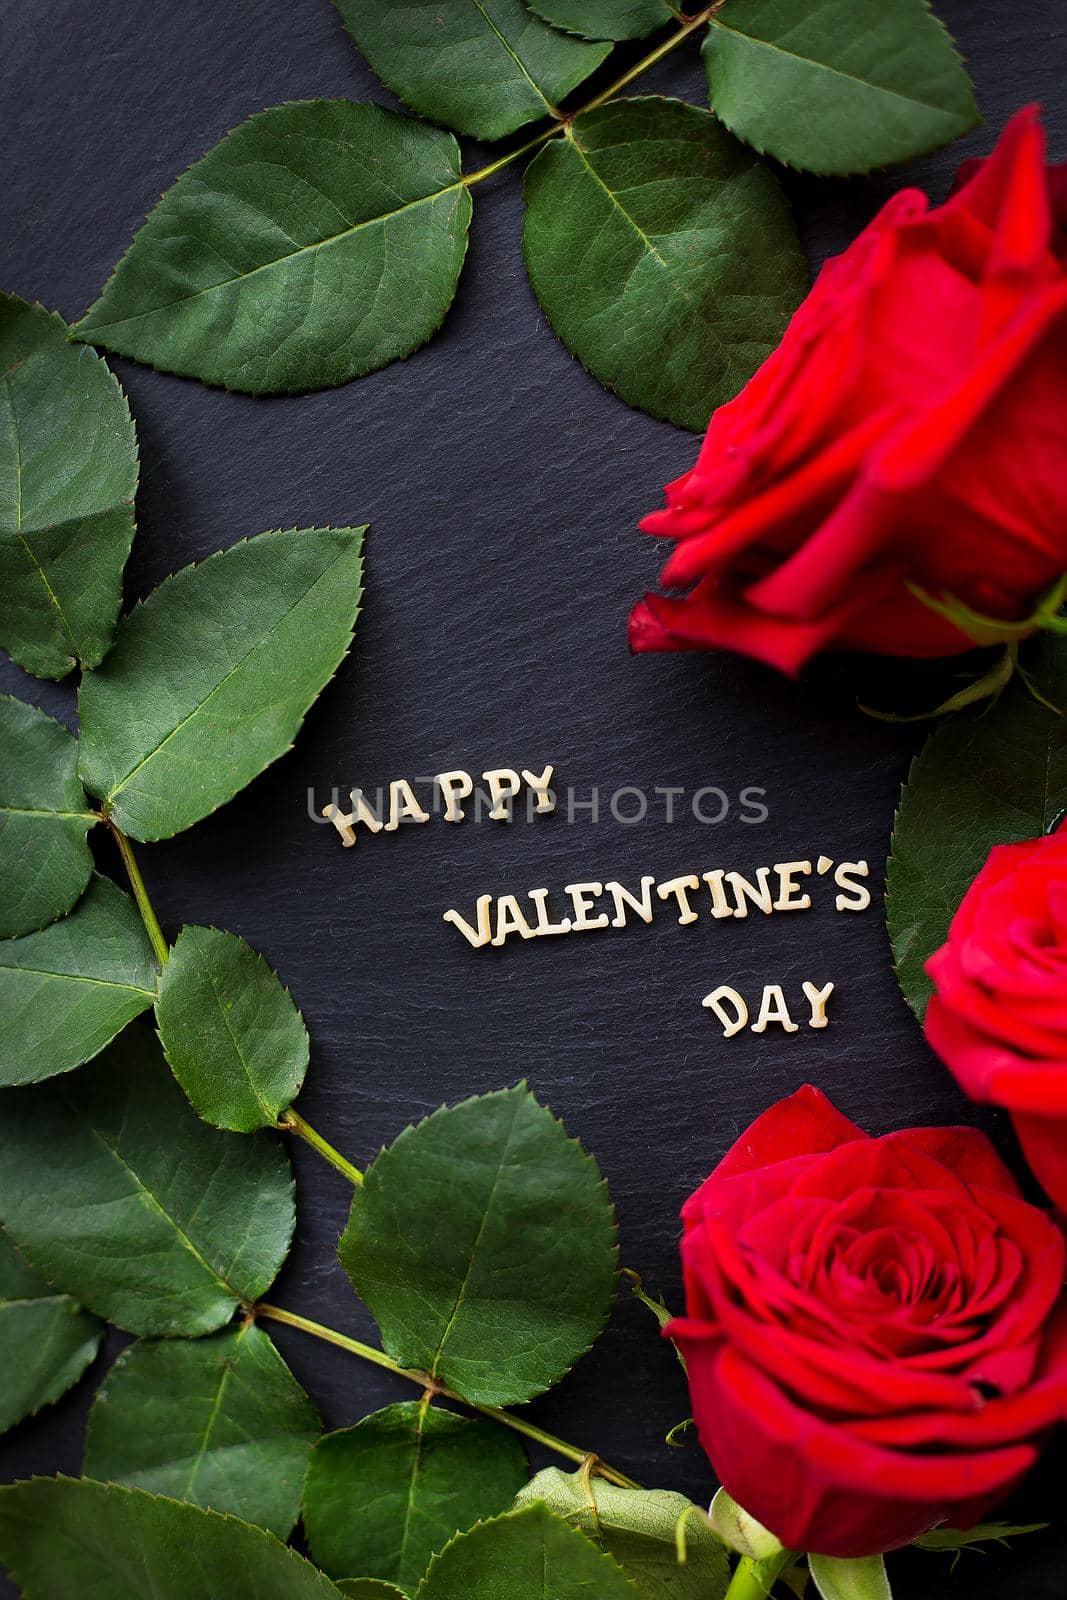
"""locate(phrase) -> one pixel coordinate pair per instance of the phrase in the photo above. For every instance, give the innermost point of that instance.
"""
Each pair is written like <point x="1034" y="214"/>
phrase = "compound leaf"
<point x="45" y="861"/>
<point x="46" y="1339"/>
<point x="234" y="1039"/>
<point x="639" y="1528"/>
<point x="989" y="776"/>
<point x="219" y="1421"/>
<point x="63" y="1537"/>
<point x="317" y="242"/>
<point x="483" y="67"/>
<point x="605" y="19"/>
<point x="837" y="86"/>
<point x="211" y="676"/>
<point x="68" y="475"/>
<point x="418" y="1475"/>
<point x="483" y="1240"/>
<point x="663" y="254"/>
<point x="67" y="991"/>
<point x="526" y="1555"/>
<point x="113" y="1187"/>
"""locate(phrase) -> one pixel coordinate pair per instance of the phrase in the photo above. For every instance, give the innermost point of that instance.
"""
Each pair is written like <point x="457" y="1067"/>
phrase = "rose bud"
<point x="875" y="1335"/>
<point x="998" y="1017"/>
<point x="910" y="429"/>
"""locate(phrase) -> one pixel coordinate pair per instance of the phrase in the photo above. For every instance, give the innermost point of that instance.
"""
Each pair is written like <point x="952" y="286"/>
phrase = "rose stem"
<point x="290" y="1121"/>
<point x="563" y="122"/>
<point x="754" y="1580"/>
<point x="367" y="1353"/>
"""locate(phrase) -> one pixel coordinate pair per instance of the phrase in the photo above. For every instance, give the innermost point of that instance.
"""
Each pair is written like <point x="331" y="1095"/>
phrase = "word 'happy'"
<point x="718" y="892"/>
<point x="502" y="783"/>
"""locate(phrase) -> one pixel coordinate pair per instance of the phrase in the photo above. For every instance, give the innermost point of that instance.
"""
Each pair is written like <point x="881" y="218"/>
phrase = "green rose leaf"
<point x="483" y="67"/>
<point x="67" y="991"/>
<point x="113" y="1187"/>
<point x="63" y="1537"/>
<point x="219" y="1421"/>
<point x="525" y="1555"/>
<point x="315" y="243"/>
<point x="44" y="817"/>
<point x="417" y="1474"/>
<point x="952" y="1539"/>
<point x="483" y="1240"/>
<point x="46" y="1339"/>
<point x="211" y="676"/>
<point x="68" y="475"/>
<point x="369" y="1589"/>
<point x="837" y="86"/>
<point x="605" y="19"/>
<point x="663" y="253"/>
<point x="993" y="775"/>
<point x="638" y="1528"/>
<point x="861" y="1579"/>
<point x="234" y="1039"/>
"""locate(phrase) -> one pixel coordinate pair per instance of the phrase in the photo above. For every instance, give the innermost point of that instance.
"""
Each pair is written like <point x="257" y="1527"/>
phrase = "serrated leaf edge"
<point x="517" y="1089"/>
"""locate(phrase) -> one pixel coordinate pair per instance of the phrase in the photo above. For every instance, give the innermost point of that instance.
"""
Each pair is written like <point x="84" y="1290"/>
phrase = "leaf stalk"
<point x="155" y="933"/>
<point x="292" y="1122"/>
<point x="562" y="126"/>
<point x="367" y="1352"/>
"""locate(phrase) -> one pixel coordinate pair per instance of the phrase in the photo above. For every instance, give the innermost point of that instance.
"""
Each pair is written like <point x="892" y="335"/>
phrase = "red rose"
<point x="999" y="1014"/>
<point x="874" y="1332"/>
<point x="912" y="425"/>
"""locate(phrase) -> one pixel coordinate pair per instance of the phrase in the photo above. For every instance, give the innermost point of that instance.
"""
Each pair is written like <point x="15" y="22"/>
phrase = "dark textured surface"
<point x="503" y="486"/>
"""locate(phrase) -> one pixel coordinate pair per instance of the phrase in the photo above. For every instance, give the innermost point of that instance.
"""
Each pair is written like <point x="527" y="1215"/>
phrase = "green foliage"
<point x="68" y="475"/>
<point x="604" y="19"/>
<point x="46" y="1339"/>
<point x="638" y="1528"/>
<point x="45" y="861"/>
<point x="369" y="1589"/>
<point x="483" y="67"/>
<point x="418" y="1474"/>
<point x="67" y="991"/>
<point x="990" y="776"/>
<point x="211" y="676"/>
<point x="113" y="1187"/>
<point x="483" y="1240"/>
<point x="219" y="1421"/>
<point x="953" y="1540"/>
<point x="837" y="86"/>
<point x="65" y="1537"/>
<point x="663" y="253"/>
<point x="316" y="242"/>
<point x="861" y="1579"/>
<point x="234" y="1039"/>
<point x="740" y="1531"/>
<point x="526" y="1555"/>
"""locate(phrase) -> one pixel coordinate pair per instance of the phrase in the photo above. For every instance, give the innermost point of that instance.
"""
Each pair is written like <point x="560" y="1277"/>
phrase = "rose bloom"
<point x="874" y="1333"/>
<point x="998" y="1017"/>
<point x="912" y="425"/>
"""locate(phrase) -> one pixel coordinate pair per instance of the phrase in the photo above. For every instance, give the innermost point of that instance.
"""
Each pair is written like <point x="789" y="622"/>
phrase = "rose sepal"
<point x="741" y="1532"/>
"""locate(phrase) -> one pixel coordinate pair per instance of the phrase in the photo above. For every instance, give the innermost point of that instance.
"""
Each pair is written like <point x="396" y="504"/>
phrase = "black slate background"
<point x="503" y="486"/>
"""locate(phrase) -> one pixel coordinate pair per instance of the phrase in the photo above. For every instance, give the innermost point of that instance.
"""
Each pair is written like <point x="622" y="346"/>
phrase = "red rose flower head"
<point x="911" y="427"/>
<point x="998" y="1017"/>
<point x="875" y="1335"/>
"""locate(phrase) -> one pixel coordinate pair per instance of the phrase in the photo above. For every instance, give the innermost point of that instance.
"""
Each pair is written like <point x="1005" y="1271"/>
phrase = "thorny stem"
<point x="563" y="124"/>
<point x="518" y="1424"/>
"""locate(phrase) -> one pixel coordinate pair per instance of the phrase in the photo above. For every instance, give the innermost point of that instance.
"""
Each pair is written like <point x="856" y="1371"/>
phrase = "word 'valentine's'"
<point x="716" y="893"/>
